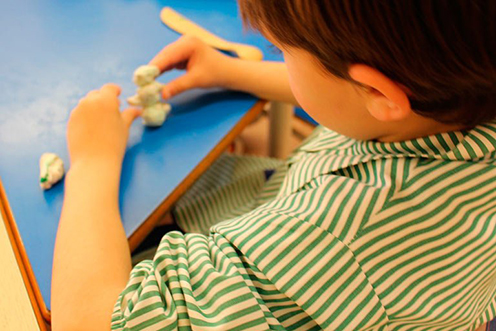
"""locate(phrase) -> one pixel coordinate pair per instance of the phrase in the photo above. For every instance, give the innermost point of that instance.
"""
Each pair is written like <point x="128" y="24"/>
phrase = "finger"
<point x="129" y="115"/>
<point x="91" y="94"/>
<point x="177" y="86"/>
<point x="175" y="53"/>
<point x="111" y="88"/>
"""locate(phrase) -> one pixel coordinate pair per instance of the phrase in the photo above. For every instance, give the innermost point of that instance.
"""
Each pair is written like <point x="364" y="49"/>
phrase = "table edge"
<point x="42" y="314"/>
<point x="147" y="226"/>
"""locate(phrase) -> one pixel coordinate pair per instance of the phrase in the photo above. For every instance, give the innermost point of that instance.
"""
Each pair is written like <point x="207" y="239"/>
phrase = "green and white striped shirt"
<point x="346" y="235"/>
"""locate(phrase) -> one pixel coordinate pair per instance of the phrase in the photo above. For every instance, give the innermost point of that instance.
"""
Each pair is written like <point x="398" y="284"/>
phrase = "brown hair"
<point x="443" y="51"/>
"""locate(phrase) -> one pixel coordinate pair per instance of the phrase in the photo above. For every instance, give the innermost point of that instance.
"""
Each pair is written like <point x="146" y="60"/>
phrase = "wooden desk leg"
<point x="16" y="310"/>
<point x="281" y="116"/>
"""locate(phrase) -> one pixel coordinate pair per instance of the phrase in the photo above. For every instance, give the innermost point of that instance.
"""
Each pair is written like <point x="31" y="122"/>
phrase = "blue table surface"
<point x="53" y="53"/>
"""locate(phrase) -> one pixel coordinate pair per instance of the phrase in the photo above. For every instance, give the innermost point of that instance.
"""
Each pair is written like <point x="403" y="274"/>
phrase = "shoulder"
<point x="303" y="260"/>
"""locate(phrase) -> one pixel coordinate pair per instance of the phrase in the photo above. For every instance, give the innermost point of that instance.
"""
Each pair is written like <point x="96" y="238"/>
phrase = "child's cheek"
<point x="295" y="83"/>
<point x="295" y="89"/>
<point x="303" y="93"/>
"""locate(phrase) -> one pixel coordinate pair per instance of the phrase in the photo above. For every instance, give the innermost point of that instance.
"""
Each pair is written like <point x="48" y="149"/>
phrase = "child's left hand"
<point x="97" y="130"/>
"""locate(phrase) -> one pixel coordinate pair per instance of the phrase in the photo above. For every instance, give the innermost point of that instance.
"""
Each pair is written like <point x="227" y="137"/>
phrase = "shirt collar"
<point x="326" y="151"/>
<point x="476" y="144"/>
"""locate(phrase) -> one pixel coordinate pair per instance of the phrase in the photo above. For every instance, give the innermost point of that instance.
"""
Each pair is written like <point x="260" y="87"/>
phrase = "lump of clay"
<point x="148" y="96"/>
<point x="134" y="100"/>
<point x="145" y="75"/>
<point x="51" y="170"/>
<point x="155" y="115"/>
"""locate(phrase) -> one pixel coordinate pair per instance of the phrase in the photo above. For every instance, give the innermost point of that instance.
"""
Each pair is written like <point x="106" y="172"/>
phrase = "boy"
<point x="387" y="222"/>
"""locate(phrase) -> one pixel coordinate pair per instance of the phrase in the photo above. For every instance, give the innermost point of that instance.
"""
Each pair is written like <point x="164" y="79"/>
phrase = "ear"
<point x="386" y="100"/>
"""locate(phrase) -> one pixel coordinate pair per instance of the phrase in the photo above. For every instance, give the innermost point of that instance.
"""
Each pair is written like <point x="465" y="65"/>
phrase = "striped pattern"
<point x="216" y="197"/>
<point x="346" y="235"/>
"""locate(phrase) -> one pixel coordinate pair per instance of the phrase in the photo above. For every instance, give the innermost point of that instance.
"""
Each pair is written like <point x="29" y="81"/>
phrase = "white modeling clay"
<point x="155" y="115"/>
<point x="51" y="170"/>
<point x="134" y="100"/>
<point x="145" y="75"/>
<point x="148" y="96"/>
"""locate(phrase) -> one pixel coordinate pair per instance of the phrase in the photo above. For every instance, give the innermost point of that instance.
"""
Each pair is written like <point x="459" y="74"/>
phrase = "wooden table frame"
<point x="22" y="260"/>
<point x="281" y="115"/>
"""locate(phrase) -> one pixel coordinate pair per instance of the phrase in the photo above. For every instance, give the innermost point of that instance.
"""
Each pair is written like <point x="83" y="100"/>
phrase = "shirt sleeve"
<point x="278" y="267"/>
<point x="194" y="281"/>
<point x="270" y="271"/>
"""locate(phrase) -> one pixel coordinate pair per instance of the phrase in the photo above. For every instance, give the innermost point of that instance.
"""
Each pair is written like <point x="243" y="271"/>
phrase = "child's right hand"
<point x="205" y="67"/>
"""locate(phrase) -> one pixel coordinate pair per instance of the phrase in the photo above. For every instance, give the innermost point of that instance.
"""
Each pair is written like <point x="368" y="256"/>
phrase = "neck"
<point x="417" y="128"/>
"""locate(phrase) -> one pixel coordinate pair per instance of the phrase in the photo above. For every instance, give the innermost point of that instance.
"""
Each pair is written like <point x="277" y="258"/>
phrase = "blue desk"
<point x="53" y="53"/>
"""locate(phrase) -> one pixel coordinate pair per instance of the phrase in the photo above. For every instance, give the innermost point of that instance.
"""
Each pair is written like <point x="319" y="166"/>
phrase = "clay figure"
<point x="51" y="170"/>
<point x="148" y="96"/>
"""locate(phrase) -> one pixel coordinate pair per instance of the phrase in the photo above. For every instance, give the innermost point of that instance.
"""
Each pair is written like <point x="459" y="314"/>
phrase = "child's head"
<point x="369" y="67"/>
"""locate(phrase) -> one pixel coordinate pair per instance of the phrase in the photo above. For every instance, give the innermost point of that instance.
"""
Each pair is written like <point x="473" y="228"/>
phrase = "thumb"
<point x="129" y="115"/>
<point x="177" y="86"/>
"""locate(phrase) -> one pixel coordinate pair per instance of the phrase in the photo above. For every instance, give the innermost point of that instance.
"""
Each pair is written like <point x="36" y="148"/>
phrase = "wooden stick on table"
<point x="183" y="26"/>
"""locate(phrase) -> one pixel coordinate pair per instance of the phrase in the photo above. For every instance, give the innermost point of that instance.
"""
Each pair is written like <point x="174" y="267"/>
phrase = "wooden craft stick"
<point x="182" y="25"/>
